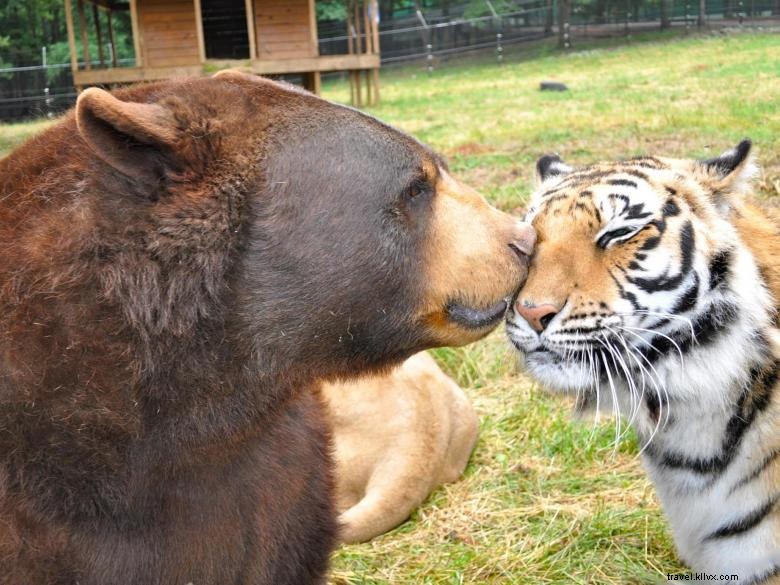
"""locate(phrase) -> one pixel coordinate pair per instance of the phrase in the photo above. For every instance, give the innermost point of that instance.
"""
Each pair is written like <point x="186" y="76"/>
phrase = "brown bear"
<point x="180" y="262"/>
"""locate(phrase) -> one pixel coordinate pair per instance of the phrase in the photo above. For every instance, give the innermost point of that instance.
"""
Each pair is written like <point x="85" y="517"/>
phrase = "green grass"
<point x="12" y="135"/>
<point x="545" y="499"/>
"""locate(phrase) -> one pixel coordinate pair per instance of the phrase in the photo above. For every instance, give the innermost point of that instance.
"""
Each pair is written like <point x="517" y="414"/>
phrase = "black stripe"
<point x="744" y="524"/>
<point x="670" y="208"/>
<point x="754" y="399"/>
<point x="635" y="173"/>
<point x="768" y="460"/>
<point x="624" y="182"/>
<point x="637" y="211"/>
<point x="707" y="327"/>
<point x="665" y="282"/>
<point x="687" y="301"/>
<point x="626" y="295"/>
<point x="720" y="265"/>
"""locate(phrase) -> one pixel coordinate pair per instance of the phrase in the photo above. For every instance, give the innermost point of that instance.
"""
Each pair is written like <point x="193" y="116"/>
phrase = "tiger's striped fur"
<point x="653" y="290"/>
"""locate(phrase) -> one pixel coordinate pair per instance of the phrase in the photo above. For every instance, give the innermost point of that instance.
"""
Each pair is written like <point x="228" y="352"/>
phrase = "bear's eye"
<point x="417" y="188"/>
<point x="606" y="238"/>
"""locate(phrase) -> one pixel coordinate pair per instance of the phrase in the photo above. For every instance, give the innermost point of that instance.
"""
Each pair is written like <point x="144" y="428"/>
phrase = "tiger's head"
<point x="637" y="264"/>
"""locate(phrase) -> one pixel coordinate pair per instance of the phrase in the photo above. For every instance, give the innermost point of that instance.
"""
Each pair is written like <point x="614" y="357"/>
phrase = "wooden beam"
<point x="250" y="28"/>
<point x="199" y="32"/>
<point x="322" y="63"/>
<point x="74" y="58"/>
<point x="111" y="38"/>
<point x="99" y="33"/>
<point x="137" y="46"/>
<point x="298" y="65"/>
<point x="133" y="74"/>
<point x="84" y="37"/>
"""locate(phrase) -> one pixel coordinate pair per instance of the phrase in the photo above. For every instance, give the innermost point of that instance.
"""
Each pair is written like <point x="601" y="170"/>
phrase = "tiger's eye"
<point x="605" y="239"/>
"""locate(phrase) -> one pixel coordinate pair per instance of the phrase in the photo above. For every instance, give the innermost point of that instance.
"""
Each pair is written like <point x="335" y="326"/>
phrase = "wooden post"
<point x="74" y="58"/>
<point x="375" y="25"/>
<point x="375" y="73"/>
<point x="350" y="50"/>
<point x="99" y="33"/>
<point x="358" y="34"/>
<point x="367" y="47"/>
<point x="313" y="38"/>
<point x="367" y="28"/>
<point x="84" y="37"/>
<point x="312" y="82"/>
<point x="199" y="32"/>
<point x="111" y="38"/>
<point x="137" y="46"/>
<point x="250" y="24"/>
<point x="375" y="33"/>
<point x="359" y="49"/>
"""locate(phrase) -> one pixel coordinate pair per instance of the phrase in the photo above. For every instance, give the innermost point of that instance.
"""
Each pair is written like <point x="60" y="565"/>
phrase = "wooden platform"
<point x="264" y="67"/>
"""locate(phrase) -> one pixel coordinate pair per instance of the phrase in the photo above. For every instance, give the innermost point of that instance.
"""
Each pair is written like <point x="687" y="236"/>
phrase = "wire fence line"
<point x="46" y="89"/>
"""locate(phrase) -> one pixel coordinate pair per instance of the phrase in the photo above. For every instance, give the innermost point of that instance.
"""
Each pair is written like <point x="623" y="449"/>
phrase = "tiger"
<point x="653" y="292"/>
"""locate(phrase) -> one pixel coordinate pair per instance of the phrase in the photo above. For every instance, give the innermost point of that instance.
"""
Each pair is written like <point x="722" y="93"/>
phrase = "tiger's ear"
<point x="549" y="166"/>
<point x="136" y="139"/>
<point x="730" y="173"/>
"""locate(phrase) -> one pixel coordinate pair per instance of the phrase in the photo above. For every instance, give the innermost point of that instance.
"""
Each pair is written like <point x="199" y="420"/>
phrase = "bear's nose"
<point x="538" y="316"/>
<point x="523" y="238"/>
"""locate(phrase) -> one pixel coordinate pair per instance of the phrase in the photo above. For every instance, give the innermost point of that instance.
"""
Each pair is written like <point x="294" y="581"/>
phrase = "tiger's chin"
<point x="554" y="372"/>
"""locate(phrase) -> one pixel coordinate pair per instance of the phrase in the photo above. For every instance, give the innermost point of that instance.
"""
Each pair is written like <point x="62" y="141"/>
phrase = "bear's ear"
<point x="136" y="139"/>
<point x="549" y="166"/>
<point x="728" y="175"/>
<point x="237" y="76"/>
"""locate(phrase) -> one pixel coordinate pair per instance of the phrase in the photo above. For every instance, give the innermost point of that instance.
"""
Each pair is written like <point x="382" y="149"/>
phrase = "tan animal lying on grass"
<point x="397" y="438"/>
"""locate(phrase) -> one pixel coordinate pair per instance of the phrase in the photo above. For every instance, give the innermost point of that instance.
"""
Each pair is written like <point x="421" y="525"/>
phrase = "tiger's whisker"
<point x="613" y="391"/>
<point x="635" y="403"/>
<point x="657" y="375"/>
<point x="672" y="341"/>
<point x="685" y="320"/>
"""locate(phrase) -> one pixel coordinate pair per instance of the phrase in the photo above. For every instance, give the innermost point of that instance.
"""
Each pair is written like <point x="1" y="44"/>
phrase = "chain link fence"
<point x="36" y="90"/>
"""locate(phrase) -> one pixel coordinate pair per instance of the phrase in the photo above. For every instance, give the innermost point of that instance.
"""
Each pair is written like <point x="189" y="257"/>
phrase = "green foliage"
<point x="331" y="10"/>
<point x="28" y="25"/>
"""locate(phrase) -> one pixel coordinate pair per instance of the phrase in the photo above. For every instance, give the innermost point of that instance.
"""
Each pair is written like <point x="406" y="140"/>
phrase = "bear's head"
<point x="349" y="245"/>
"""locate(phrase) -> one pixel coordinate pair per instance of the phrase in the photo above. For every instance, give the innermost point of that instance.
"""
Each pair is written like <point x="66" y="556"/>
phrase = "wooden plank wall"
<point x="169" y="32"/>
<point x="283" y="29"/>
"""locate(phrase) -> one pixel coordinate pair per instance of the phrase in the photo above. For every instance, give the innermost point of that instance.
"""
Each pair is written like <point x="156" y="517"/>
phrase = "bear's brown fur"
<point x="179" y="262"/>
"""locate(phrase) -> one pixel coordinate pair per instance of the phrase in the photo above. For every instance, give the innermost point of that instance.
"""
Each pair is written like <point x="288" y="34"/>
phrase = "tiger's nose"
<point x="523" y="238"/>
<point x="537" y="316"/>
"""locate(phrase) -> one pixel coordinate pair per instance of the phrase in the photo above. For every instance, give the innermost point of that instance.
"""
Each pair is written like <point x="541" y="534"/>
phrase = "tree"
<point x="663" y="6"/>
<point x="331" y="10"/>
